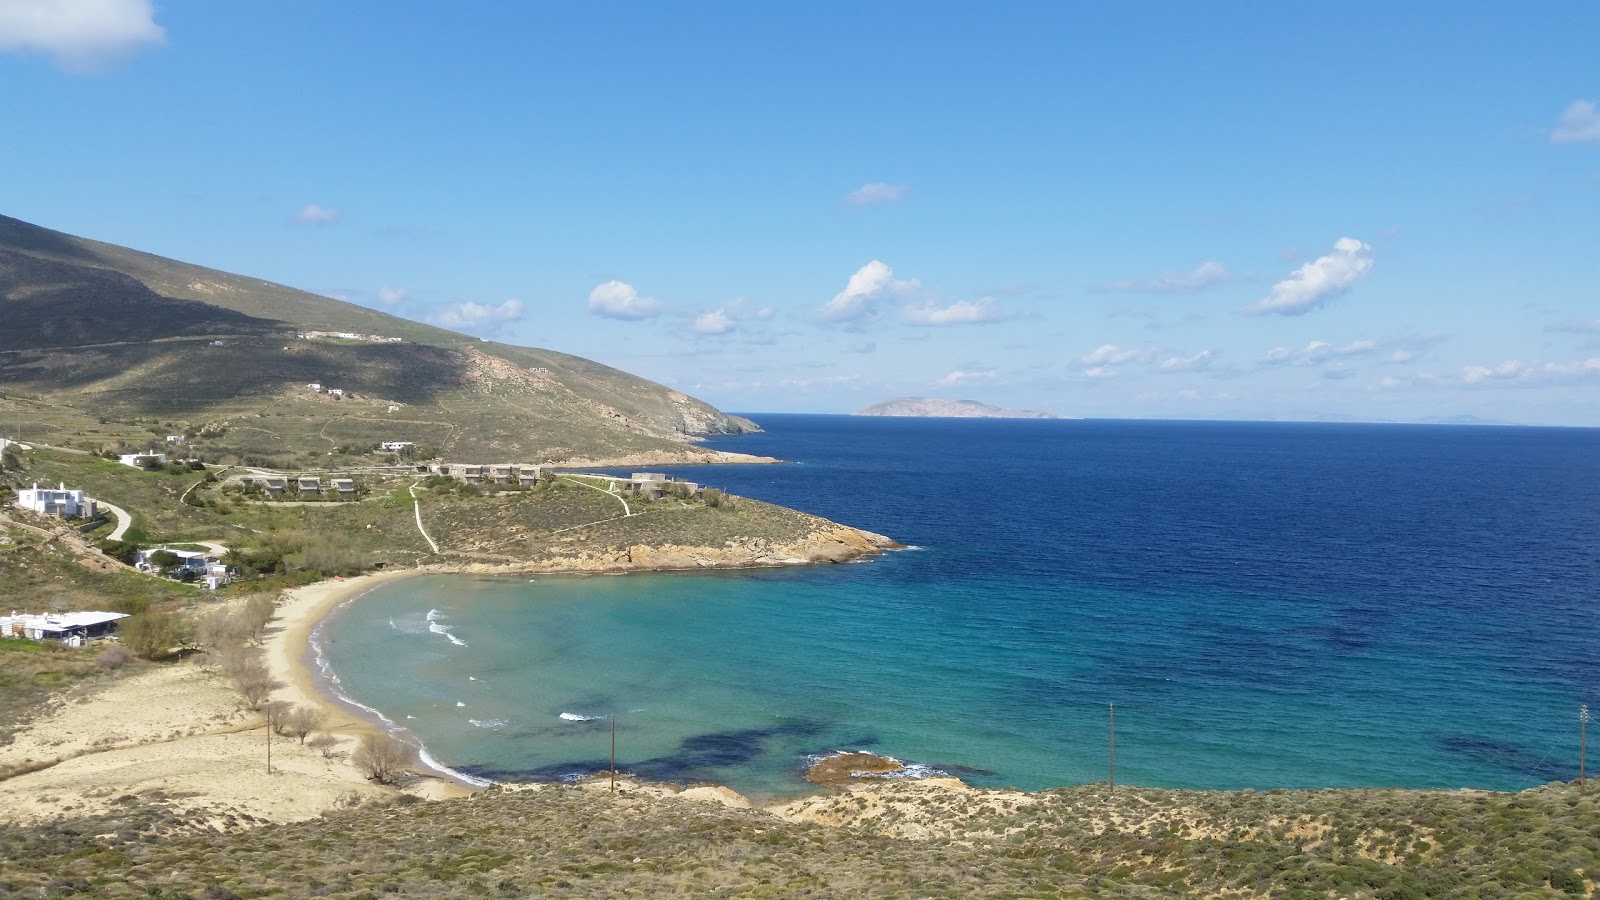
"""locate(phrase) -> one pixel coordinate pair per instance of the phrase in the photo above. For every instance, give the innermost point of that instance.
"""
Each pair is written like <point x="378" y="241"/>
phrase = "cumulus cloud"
<point x="477" y="317"/>
<point x="1514" y="372"/>
<point x="1112" y="355"/>
<point x="1580" y="123"/>
<point x="389" y="296"/>
<point x="877" y="194"/>
<point x="80" y="36"/>
<point x="961" y="376"/>
<point x="715" y="322"/>
<point x="1207" y="274"/>
<point x="1193" y="363"/>
<point x="1318" y="281"/>
<point x="1393" y="350"/>
<point x="315" y="214"/>
<point x="961" y="312"/>
<point x="871" y="283"/>
<point x="619" y="300"/>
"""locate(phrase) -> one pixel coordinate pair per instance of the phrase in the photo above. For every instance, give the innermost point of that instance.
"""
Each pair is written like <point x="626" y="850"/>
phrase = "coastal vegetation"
<point x="900" y="839"/>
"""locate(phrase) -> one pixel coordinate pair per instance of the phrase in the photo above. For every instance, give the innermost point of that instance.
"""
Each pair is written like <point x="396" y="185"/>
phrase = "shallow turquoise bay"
<point x="1258" y="603"/>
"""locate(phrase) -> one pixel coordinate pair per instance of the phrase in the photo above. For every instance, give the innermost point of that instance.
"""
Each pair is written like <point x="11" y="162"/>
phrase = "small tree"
<point x="150" y="635"/>
<point x="324" y="744"/>
<point x="257" y="612"/>
<point x="302" y="720"/>
<point x="381" y="757"/>
<point x="10" y="459"/>
<point x="251" y="679"/>
<point x="277" y="714"/>
<point x="125" y="552"/>
<point x="164" y="561"/>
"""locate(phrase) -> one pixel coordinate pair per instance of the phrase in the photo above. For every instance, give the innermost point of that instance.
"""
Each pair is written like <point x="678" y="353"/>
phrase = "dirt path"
<point x="416" y="505"/>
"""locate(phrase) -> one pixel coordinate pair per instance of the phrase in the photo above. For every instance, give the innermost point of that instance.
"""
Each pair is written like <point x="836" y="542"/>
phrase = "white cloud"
<point x="961" y="312"/>
<point x="1514" y="372"/>
<point x="715" y="322"/>
<point x="871" y="283"/>
<point x="476" y="317"/>
<point x="1112" y="355"/>
<point x="1207" y="274"/>
<point x="1175" y="364"/>
<point x="389" y="296"/>
<point x="315" y="214"/>
<point x="1318" y="281"/>
<point x="960" y="376"/>
<point x="1394" y="350"/>
<point x="877" y="194"/>
<point x="619" y="300"/>
<point x="81" y="36"/>
<point x="1580" y="124"/>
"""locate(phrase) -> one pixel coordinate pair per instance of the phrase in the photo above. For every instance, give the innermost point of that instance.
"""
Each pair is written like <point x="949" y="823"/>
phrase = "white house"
<point x="316" y="387"/>
<point x="72" y="629"/>
<point x="396" y="445"/>
<point x="140" y="460"/>
<point x="174" y="438"/>
<point x="193" y="560"/>
<point x="56" y="501"/>
<point x="336" y="392"/>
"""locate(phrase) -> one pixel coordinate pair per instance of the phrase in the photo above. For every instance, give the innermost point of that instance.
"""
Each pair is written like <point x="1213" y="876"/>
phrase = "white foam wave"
<point x="489" y="723"/>
<point x="434" y="764"/>
<point x="574" y="717"/>
<point x="906" y="770"/>
<point x="335" y="687"/>
<point x="433" y="625"/>
<point x="459" y="703"/>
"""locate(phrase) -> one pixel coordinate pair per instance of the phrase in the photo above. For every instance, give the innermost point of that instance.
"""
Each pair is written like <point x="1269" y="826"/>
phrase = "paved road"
<point x="123" y="520"/>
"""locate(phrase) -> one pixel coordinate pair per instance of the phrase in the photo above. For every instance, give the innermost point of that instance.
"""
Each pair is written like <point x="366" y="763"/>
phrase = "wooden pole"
<point x="1113" y="707"/>
<point x="1583" y="743"/>
<point x="268" y="725"/>
<point x="613" y="753"/>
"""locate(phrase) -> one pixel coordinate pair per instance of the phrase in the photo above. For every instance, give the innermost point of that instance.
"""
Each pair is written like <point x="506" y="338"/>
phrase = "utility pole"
<point x="1583" y="742"/>
<point x="268" y="726"/>
<point x="1113" y="708"/>
<point x="613" y="753"/>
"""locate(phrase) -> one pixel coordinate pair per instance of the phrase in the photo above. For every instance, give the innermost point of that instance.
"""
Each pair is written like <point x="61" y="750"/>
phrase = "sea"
<point x="1208" y="605"/>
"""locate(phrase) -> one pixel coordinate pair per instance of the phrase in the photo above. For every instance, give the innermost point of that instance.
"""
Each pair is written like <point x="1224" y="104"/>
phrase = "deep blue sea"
<point x="1266" y="604"/>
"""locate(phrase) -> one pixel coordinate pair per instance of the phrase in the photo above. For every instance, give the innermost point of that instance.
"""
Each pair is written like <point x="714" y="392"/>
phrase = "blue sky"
<point x="1367" y="210"/>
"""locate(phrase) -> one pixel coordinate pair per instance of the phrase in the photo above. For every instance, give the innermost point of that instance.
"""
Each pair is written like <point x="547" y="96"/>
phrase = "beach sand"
<point x="179" y="733"/>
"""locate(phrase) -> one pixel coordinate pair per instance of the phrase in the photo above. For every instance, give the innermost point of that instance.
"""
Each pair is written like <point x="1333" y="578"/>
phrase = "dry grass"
<point x="1077" y="842"/>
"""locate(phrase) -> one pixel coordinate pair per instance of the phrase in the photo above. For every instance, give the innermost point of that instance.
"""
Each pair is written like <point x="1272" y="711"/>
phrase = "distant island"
<point x="954" y="409"/>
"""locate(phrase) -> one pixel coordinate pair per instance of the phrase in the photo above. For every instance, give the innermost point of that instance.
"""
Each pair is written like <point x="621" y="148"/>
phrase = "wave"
<point x="574" y="717"/>
<point x="907" y="770"/>
<point x="489" y="723"/>
<point x="336" y="687"/>
<point x="433" y="625"/>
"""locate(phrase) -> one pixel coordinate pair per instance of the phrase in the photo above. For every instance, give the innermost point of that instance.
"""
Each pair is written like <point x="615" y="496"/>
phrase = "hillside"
<point x="932" y="407"/>
<point x="891" y="840"/>
<point x="128" y="337"/>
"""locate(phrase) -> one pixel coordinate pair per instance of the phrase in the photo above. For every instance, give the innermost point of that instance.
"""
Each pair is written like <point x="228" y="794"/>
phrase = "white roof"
<point x="64" y="621"/>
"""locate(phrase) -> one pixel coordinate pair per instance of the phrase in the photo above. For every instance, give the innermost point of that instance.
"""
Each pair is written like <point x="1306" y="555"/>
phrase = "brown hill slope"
<point x="131" y="336"/>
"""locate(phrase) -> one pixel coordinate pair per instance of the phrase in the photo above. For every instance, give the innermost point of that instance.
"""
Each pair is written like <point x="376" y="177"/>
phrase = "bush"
<point x="124" y="552"/>
<point x="381" y="757"/>
<point x="114" y="657"/>
<point x="153" y="635"/>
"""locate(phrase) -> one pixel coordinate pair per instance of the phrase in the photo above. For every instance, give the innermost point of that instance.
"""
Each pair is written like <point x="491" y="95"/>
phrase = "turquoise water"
<point x="1264" y="605"/>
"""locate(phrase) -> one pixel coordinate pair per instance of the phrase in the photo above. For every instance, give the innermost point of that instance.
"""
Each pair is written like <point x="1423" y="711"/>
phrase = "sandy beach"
<point x="179" y="733"/>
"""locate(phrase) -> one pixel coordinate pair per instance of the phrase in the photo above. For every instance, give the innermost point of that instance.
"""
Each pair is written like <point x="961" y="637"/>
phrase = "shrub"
<point x="114" y="657"/>
<point x="381" y="757"/>
<point x="324" y="744"/>
<point x="153" y="635"/>
<point x="302" y="720"/>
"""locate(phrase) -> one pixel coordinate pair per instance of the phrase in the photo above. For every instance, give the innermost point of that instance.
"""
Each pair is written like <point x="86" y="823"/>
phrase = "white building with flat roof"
<point x="58" y="501"/>
<point x="72" y="629"/>
<point x="140" y="460"/>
